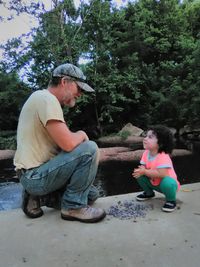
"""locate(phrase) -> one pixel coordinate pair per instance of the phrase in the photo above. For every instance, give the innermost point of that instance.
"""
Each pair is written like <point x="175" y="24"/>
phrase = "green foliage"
<point x="143" y="60"/>
<point x="8" y="143"/>
<point x="124" y="135"/>
<point x="8" y="140"/>
<point x="12" y="95"/>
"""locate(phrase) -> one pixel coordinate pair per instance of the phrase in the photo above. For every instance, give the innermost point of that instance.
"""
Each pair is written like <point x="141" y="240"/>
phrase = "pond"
<point x="113" y="178"/>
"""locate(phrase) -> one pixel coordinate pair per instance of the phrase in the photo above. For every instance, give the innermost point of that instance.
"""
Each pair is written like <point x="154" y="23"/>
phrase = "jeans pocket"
<point x="32" y="175"/>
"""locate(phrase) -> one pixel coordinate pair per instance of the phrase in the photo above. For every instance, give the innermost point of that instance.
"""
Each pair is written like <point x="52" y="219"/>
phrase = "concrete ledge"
<point x="127" y="155"/>
<point x="108" y="152"/>
<point x="155" y="240"/>
<point x="7" y="154"/>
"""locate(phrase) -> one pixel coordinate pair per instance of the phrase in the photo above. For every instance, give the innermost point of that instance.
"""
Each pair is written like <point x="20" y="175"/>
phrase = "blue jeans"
<point x="75" y="171"/>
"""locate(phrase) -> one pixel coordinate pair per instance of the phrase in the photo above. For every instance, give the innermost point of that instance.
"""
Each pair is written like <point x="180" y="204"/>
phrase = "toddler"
<point x="156" y="171"/>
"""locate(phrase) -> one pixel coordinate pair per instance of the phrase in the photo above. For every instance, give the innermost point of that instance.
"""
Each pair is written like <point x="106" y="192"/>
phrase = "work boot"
<point x="51" y="200"/>
<point x="31" y="205"/>
<point x="86" y="214"/>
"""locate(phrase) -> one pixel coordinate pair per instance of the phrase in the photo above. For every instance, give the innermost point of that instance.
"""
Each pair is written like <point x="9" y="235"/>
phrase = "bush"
<point x="8" y="142"/>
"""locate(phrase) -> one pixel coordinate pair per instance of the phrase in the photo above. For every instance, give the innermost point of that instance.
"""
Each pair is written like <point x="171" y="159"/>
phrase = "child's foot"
<point x="144" y="196"/>
<point x="169" y="206"/>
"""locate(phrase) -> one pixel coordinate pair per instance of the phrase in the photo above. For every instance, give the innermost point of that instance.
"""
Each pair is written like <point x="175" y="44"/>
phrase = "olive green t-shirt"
<point x="34" y="145"/>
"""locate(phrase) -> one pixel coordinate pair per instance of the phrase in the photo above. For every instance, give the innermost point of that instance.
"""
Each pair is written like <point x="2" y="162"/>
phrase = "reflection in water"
<point x="10" y="195"/>
<point x="114" y="177"/>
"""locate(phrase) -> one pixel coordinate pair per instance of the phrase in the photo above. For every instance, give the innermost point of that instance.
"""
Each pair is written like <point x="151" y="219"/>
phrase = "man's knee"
<point x="90" y="147"/>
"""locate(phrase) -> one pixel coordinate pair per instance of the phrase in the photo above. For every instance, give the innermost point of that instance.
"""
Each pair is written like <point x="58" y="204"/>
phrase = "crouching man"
<point x="50" y="157"/>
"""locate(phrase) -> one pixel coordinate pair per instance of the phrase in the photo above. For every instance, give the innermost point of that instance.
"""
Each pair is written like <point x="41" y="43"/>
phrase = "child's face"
<point x="150" y="142"/>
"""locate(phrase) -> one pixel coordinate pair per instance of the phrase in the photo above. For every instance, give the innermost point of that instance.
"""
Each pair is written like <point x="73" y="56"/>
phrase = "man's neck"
<point x="55" y="91"/>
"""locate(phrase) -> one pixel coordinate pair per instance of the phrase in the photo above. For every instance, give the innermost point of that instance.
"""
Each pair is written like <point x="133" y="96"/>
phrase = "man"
<point x="50" y="157"/>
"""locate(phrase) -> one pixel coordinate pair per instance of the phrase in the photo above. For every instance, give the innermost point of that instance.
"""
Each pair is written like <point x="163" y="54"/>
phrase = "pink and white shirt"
<point x="159" y="161"/>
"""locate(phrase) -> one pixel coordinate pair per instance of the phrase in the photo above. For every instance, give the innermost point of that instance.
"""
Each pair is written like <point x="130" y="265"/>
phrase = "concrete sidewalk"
<point x="157" y="239"/>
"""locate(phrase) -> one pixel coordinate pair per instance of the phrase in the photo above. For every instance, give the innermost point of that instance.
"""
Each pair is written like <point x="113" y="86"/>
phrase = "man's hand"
<point x="85" y="137"/>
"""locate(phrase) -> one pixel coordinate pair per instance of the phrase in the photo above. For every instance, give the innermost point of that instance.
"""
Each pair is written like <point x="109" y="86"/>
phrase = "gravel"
<point x="125" y="210"/>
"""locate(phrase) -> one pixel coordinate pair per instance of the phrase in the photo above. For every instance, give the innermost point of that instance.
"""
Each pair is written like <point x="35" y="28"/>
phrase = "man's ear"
<point x="63" y="81"/>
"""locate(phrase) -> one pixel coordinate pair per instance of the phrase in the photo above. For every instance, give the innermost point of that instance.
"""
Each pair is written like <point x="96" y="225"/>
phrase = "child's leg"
<point x="168" y="187"/>
<point x="145" y="184"/>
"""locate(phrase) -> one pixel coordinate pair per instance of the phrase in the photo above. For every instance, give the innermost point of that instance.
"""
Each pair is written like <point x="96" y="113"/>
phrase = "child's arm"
<point x="157" y="173"/>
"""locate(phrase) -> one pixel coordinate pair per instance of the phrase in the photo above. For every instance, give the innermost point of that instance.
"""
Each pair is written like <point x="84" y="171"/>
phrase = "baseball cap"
<point x="74" y="73"/>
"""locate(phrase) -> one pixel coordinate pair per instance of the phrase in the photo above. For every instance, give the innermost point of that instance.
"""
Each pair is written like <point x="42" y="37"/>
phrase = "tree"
<point x="142" y="59"/>
<point x="13" y="93"/>
<point x="113" y="86"/>
<point x="161" y="39"/>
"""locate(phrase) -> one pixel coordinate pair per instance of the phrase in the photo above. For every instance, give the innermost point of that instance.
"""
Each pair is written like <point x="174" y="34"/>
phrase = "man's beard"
<point x="71" y="104"/>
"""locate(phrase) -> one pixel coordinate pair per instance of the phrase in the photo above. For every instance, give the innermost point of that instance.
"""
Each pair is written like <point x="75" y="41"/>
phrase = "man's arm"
<point x="63" y="137"/>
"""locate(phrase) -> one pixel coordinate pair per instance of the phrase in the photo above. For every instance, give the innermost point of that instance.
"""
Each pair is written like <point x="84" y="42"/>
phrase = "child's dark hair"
<point x="165" y="138"/>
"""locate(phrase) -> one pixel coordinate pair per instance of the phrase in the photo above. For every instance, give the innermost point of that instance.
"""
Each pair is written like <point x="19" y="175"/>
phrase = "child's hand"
<point x="138" y="171"/>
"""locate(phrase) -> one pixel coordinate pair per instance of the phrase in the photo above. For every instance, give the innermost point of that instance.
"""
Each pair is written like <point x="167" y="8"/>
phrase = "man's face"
<point x="71" y="92"/>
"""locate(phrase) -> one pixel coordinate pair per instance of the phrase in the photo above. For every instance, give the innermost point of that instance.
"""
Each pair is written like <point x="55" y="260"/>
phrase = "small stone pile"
<point x="129" y="209"/>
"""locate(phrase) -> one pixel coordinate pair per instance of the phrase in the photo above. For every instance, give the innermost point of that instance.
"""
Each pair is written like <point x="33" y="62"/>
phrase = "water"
<point x="113" y="178"/>
<point x="10" y="188"/>
<point x="10" y="195"/>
